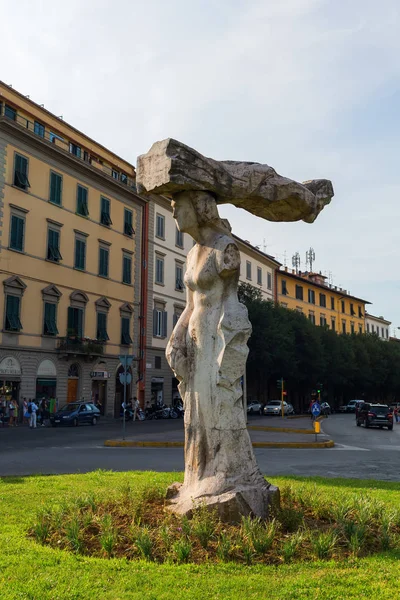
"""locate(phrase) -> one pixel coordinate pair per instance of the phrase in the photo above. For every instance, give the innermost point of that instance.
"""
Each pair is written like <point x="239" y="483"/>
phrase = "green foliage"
<point x="182" y="550"/>
<point x="144" y="543"/>
<point x="203" y="524"/>
<point x="323" y="544"/>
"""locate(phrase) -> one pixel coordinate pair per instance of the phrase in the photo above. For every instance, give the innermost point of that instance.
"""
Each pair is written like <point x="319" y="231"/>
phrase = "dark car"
<point x="375" y="415"/>
<point x="76" y="413"/>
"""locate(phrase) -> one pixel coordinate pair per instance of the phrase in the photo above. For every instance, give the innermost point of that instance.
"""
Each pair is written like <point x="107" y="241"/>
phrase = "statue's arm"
<point x="176" y="351"/>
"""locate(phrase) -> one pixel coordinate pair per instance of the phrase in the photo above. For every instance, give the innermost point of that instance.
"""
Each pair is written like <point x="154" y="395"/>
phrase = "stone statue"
<point x="208" y="348"/>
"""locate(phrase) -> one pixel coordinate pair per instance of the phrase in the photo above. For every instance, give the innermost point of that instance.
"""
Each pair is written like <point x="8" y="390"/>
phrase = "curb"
<point x="298" y="417"/>
<point x="280" y="429"/>
<point x="132" y="444"/>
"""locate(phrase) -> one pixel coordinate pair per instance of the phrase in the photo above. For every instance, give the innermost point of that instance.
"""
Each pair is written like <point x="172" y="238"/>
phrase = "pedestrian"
<point x="396" y="413"/>
<point x="25" y="413"/>
<point x="11" y="411"/>
<point x="32" y="409"/>
<point x="136" y="407"/>
<point x="43" y="411"/>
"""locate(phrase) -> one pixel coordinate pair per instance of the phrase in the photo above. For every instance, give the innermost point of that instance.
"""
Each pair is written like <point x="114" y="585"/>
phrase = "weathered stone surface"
<point x="171" y="167"/>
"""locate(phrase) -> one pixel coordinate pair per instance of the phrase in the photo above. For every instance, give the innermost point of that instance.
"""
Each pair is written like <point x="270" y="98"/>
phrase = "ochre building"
<point x="70" y="225"/>
<point x="321" y="303"/>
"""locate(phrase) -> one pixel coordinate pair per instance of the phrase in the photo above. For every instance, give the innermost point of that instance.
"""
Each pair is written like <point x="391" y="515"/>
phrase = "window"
<point x="248" y="269"/>
<point x="125" y="331"/>
<point x="284" y="288"/>
<point x="333" y="324"/>
<point x="269" y="281"/>
<point x="105" y="218"/>
<point x="311" y="316"/>
<point x="159" y="322"/>
<point x="50" y="319"/>
<point x="352" y="311"/>
<point x="343" y="307"/>
<point x="160" y="226"/>
<point x="82" y="201"/>
<point x="299" y="309"/>
<point x="127" y="269"/>
<point x="55" y="188"/>
<point x="344" y="326"/>
<point x="259" y="276"/>
<point x="387" y="334"/>
<point x="332" y="303"/>
<point x="360" y="329"/>
<point x="10" y="112"/>
<point x="17" y="233"/>
<point x="351" y="327"/>
<point x="322" y="300"/>
<point x="322" y="320"/>
<point x="311" y="296"/>
<point x="179" y="277"/>
<point x="159" y="270"/>
<point x="13" y="306"/>
<point x="75" y="150"/>
<point x="53" y="245"/>
<point x="368" y="327"/>
<point x="39" y="129"/>
<point x="124" y="178"/>
<point x="157" y="362"/>
<point x="101" y="334"/>
<point x="177" y="313"/>
<point x="373" y="328"/>
<point x="80" y="254"/>
<point x="103" y="261"/>
<point x="178" y="238"/>
<point x="299" y="292"/>
<point x="21" y="172"/>
<point x="128" y="229"/>
<point x="360" y="314"/>
<point x="115" y="174"/>
<point x="75" y="322"/>
<point x="53" y="137"/>
<point x="383" y="332"/>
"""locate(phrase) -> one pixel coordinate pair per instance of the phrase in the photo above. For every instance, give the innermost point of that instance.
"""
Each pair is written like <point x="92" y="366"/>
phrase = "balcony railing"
<point x="70" y="147"/>
<point x="74" y="345"/>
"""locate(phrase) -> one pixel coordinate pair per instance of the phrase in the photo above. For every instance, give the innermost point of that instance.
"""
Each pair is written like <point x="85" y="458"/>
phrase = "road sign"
<point x="126" y="361"/>
<point x="125" y="378"/>
<point x="316" y="409"/>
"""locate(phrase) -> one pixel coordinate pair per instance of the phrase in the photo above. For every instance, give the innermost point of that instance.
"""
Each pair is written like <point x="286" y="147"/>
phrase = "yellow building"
<point x="70" y="224"/>
<point x="323" y="304"/>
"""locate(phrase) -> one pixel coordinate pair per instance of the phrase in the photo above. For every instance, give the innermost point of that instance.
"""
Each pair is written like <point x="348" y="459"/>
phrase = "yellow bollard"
<point x="317" y="426"/>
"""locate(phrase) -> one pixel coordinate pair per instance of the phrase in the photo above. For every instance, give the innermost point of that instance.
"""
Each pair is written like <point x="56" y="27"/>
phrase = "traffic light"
<point x="279" y="383"/>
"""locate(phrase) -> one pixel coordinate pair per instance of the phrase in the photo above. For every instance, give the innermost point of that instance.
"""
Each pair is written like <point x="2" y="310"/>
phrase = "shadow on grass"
<point x="12" y="479"/>
<point x="371" y="484"/>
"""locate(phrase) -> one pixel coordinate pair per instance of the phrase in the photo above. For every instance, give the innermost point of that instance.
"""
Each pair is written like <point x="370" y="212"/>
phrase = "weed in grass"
<point x="323" y="544"/>
<point x="72" y="532"/>
<point x="41" y="529"/>
<point x="144" y="543"/>
<point x="165" y="535"/>
<point x="186" y="525"/>
<point x="224" y="547"/>
<point x="386" y="532"/>
<point x="247" y="550"/>
<point x="290" y="518"/>
<point x="203" y="524"/>
<point x="108" y="535"/>
<point x="291" y="546"/>
<point x="356" y="543"/>
<point x="182" y="550"/>
<point x="260" y="533"/>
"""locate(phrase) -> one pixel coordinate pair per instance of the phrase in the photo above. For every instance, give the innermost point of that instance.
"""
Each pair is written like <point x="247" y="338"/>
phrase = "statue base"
<point x="230" y="505"/>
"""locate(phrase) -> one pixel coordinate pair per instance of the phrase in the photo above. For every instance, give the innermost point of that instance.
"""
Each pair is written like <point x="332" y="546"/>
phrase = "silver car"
<point x="254" y="408"/>
<point x="274" y="407"/>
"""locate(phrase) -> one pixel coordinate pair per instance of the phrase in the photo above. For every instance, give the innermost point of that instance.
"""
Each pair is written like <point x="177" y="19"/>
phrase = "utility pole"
<point x="296" y="261"/>
<point x="310" y="257"/>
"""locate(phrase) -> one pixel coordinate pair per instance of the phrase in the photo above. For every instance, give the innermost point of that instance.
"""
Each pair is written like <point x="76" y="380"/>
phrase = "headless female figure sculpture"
<point x="207" y="352"/>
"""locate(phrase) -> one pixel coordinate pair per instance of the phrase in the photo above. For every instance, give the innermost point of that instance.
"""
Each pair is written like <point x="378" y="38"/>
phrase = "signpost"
<point x="125" y="378"/>
<point x="316" y="411"/>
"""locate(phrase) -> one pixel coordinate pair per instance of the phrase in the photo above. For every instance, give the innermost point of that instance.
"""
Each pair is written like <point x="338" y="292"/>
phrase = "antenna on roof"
<point x="284" y="259"/>
<point x="42" y="105"/>
<point x="310" y="258"/>
<point x="296" y="261"/>
<point x="60" y="117"/>
<point x="27" y="96"/>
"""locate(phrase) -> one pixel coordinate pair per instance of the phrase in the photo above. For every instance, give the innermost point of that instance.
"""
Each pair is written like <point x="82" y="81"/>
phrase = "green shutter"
<point x="55" y="188"/>
<point x="127" y="270"/>
<point x="82" y="205"/>
<point x="125" y="333"/>
<point x="80" y="254"/>
<point x="50" y="324"/>
<point x="103" y="267"/>
<point x="102" y="327"/>
<point x="17" y="233"/>
<point x="13" y="322"/>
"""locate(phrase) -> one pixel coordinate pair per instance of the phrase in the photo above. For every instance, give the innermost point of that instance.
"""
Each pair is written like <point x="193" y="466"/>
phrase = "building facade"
<point x="322" y="304"/>
<point x="70" y="225"/>
<point x="378" y="325"/>
<point x="258" y="269"/>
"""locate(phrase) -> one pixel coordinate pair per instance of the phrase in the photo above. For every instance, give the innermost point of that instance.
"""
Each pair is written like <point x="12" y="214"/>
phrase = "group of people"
<point x="131" y="408"/>
<point x="32" y="412"/>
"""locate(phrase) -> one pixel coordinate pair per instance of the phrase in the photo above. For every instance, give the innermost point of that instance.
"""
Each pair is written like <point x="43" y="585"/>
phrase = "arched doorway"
<point x="73" y="383"/>
<point x="119" y="390"/>
<point x="10" y="378"/>
<point x="46" y="380"/>
<point x="100" y="376"/>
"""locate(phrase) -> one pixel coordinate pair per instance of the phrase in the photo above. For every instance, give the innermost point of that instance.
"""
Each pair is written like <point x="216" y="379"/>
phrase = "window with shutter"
<point x="75" y="322"/>
<point x="17" y="233"/>
<point x="50" y="319"/>
<point x="21" y="172"/>
<point x="269" y="281"/>
<point x="105" y="218"/>
<point x="82" y="201"/>
<point x="127" y="269"/>
<point x="128" y="220"/>
<point x="125" y="333"/>
<point x="102" y="327"/>
<point x="159" y="270"/>
<point x="179" y="277"/>
<point x="259" y="276"/>
<point x="12" y="320"/>
<point x="10" y="112"/>
<point x="80" y="254"/>
<point x="53" y="245"/>
<point x="103" y="262"/>
<point x="39" y="129"/>
<point x="178" y="238"/>
<point x="55" y="188"/>
<point x="160" y="226"/>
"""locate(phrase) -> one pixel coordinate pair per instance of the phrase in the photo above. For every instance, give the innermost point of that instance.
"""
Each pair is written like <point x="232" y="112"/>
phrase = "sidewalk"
<point x="265" y="432"/>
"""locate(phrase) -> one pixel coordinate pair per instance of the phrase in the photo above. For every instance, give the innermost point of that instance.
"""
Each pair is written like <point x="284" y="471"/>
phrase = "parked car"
<point x="76" y="413"/>
<point x="350" y="407"/>
<point x="375" y="415"/>
<point x="254" y="408"/>
<point x="274" y="407"/>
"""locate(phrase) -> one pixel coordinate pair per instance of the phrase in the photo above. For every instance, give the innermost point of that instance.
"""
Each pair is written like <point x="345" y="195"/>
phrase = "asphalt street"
<point x="359" y="453"/>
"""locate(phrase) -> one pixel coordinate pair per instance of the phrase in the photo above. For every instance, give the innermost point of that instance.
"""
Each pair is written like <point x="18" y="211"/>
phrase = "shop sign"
<point x="10" y="366"/>
<point x="157" y="380"/>
<point x="100" y="375"/>
<point x="47" y="369"/>
<point x="148" y="365"/>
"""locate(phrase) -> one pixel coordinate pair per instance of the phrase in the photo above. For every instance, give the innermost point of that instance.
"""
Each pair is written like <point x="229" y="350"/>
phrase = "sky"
<point x="310" y="87"/>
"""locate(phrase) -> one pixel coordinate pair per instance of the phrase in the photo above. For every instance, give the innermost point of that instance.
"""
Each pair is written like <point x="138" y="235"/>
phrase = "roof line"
<point x="321" y="286"/>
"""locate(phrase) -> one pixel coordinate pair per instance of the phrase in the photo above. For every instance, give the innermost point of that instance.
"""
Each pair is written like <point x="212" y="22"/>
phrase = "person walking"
<point x="25" y="416"/>
<point x="396" y="413"/>
<point x="11" y="412"/>
<point x="136" y="406"/>
<point x="32" y="408"/>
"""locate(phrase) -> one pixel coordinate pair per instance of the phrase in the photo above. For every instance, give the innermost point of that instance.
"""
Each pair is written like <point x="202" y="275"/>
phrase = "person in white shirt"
<point x="136" y="406"/>
<point x="32" y="408"/>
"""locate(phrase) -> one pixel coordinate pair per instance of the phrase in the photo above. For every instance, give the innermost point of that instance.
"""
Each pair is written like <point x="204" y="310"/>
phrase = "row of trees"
<point x="284" y="343"/>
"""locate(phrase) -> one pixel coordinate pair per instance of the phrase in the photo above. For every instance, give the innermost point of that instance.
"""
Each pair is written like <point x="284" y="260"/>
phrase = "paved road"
<point x="359" y="453"/>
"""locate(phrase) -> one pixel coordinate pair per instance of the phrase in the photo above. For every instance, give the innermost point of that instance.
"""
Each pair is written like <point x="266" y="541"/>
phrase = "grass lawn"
<point x="31" y="571"/>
